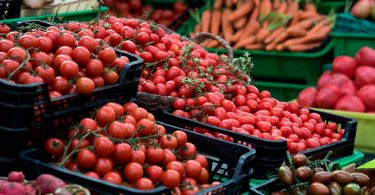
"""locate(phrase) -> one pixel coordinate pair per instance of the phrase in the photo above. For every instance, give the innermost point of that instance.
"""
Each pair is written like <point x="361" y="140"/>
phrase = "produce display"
<point x="68" y="61"/>
<point x="364" y="9"/>
<point x="123" y="144"/>
<point x="349" y="86"/>
<point x="137" y="9"/>
<point x="302" y="176"/>
<point x="265" y="25"/>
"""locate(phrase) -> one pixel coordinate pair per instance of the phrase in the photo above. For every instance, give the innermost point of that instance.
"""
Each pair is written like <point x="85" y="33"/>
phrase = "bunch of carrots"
<point x="265" y="25"/>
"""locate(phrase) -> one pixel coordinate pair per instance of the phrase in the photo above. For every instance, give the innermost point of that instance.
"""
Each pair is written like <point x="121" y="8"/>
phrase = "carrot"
<point x="262" y="34"/>
<point x="309" y="38"/>
<point x="303" y="47"/>
<point x="270" y="47"/>
<point x="251" y="29"/>
<point x="280" y="47"/>
<point x="297" y="32"/>
<point x="266" y="23"/>
<point x="242" y="11"/>
<point x="318" y="26"/>
<point x="243" y="42"/>
<point x="240" y="23"/>
<point x="310" y="7"/>
<point x="255" y="47"/>
<point x="275" y="4"/>
<point x="198" y="28"/>
<point x="257" y="3"/>
<point x="265" y="9"/>
<point x="307" y="15"/>
<point x="212" y="44"/>
<point x="282" y="7"/>
<point x="295" y="18"/>
<point x="229" y="3"/>
<point x="292" y="7"/>
<point x="205" y="43"/>
<point x="254" y="15"/>
<point x="274" y="34"/>
<point x="237" y="36"/>
<point x="304" y="24"/>
<point x="281" y="37"/>
<point x="226" y="24"/>
<point x="215" y="22"/>
<point x="206" y="18"/>
<point x="218" y="4"/>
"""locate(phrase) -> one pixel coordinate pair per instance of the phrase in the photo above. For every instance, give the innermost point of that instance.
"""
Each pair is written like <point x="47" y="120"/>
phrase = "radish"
<point x="365" y="57"/>
<point x="327" y="96"/>
<point x="350" y="103"/>
<point x="364" y="75"/>
<point x="15" y="176"/>
<point x="12" y="188"/>
<point x="324" y="79"/>
<point x="307" y="97"/>
<point x="348" y="88"/>
<point x="344" y="65"/>
<point x="338" y="79"/>
<point x="362" y="9"/>
<point x="367" y="95"/>
<point x="46" y="183"/>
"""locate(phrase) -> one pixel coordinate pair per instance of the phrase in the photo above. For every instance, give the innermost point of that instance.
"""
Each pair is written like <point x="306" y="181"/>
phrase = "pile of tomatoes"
<point x="123" y="145"/>
<point x="257" y="114"/>
<point x="137" y="9"/>
<point x="68" y="61"/>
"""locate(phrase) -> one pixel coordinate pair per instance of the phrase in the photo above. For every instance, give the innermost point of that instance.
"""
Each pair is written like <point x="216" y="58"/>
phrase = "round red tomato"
<point x="105" y="115"/>
<point x="155" y="173"/>
<point x="85" y="85"/>
<point x="154" y="155"/>
<point x="193" y="169"/>
<point x="103" y="146"/>
<point x="103" y="166"/>
<point x="81" y="55"/>
<point x="107" y="55"/>
<point x="144" y="184"/>
<point x="133" y="171"/>
<point x="122" y="153"/>
<point x="86" y="159"/>
<point x="168" y="141"/>
<point x="171" y="179"/>
<point x="177" y="166"/>
<point x="54" y="147"/>
<point x="113" y="177"/>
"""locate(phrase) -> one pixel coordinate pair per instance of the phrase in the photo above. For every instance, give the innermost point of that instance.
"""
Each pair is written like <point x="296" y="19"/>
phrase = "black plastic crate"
<point x="272" y="153"/>
<point x="10" y="9"/>
<point x="229" y="163"/>
<point x="272" y="185"/>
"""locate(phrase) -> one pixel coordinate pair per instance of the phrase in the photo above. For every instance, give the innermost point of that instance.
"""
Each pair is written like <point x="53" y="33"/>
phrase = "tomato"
<point x="107" y="55"/>
<point x="4" y="29"/>
<point x="137" y="113"/>
<point x="133" y="171"/>
<point x="105" y="115"/>
<point x="85" y="85"/>
<point x="181" y="138"/>
<point x="312" y="143"/>
<point x="54" y="147"/>
<point x="117" y="130"/>
<point x="202" y="160"/>
<point x="144" y="184"/>
<point x="6" y="45"/>
<point x="168" y="141"/>
<point x="145" y="127"/>
<point x="113" y="177"/>
<point x="171" y="179"/>
<point x="160" y="89"/>
<point x="292" y="147"/>
<point x="128" y="46"/>
<point x="59" y="59"/>
<point x="28" y="41"/>
<point x="119" y="63"/>
<point x="86" y="159"/>
<point x="92" y="174"/>
<point x="122" y="153"/>
<point x="327" y="132"/>
<point x="61" y="85"/>
<point x="188" y="151"/>
<point x="46" y="73"/>
<point x="18" y="54"/>
<point x="119" y="110"/>
<point x="81" y="55"/>
<point x="204" y="176"/>
<point x="103" y="146"/>
<point x="155" y="173"/>
<point x="139" y="157"/>
<point x="103" y="166"/>
<point x="66" y="39"/>
<point x="149" y="87"/>
<point x="142" y="38"/>
<point x="168" y="157"/>
<point x="64" y="50"/>
<point x="88" y="42"/>
<point x="154" y="155"/>
<point x="94" y="67"/>
<point x="115" y="39"/>
<point x="332" y="126"/>
<point x="111" y="77"/>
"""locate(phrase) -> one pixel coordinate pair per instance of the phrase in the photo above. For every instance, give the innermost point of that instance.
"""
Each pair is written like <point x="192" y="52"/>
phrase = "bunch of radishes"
<point x="364" y="9"/>
<point x="16" y="184"/>
<point x="349" y="86"/>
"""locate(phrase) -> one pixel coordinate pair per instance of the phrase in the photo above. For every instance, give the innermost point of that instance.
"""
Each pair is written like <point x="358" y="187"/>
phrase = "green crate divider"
<point x="281" y="91"/>
<point x="357" y="156"/>
<point x="350" y="43"/>
<point x="325" y="7"/>
<point x="80" y="16"/>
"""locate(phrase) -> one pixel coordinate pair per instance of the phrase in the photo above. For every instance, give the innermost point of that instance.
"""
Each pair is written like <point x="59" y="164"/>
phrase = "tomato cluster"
<point x="255" y="113"/>
<point x="124" y="145"/>
<point x="137" y="9"/>
<point x="68" y="61"/>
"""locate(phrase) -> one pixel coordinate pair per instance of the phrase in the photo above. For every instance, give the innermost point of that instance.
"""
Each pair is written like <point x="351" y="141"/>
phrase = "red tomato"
<point x="181" y="138"/>
<point x="155" y="173"/>
<point x="105" y="115"/>
<point x="168" y="141"/>
<point x="146" y="127"/>
<point x="92" y="174"/>
<point x="144" y="184"/>
<point x="86" y="159"/>
<point x="54" y="147"/>
<point x="113" y="177"/>
<point x="193" y="168"/>
<point x="171" y="179"/>
<point x="17" y="53"/>
<point x="188" y="151"/>
<point x="154" y="155"/>
<point x="28" y="41"/>
<point x="103" y="166"/>
<point x="66" y="39"/>
<point x="168" y="157"/>
<point x="94" y="68"/>
<point x="138" y="157"/>
<point x="84" y="85"/>
<point x="122" y="153"/>
<point x="133" y="171"/>
<point x="103" y="146"/>
<point x="111" y="77"/>
<point x="107" y="55"/>
<point x="202" y="160"/>
<point x="128" y="46"/>
<point x="130" y="106"/>
<point x="61" y="85"/>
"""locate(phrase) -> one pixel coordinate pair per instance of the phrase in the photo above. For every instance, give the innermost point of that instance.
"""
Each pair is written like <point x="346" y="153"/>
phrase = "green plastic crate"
<point x="350" y="43"/>
<point x="80" y="16"/>
<point x="281" y="91"/>
<point x="325" y="7"/>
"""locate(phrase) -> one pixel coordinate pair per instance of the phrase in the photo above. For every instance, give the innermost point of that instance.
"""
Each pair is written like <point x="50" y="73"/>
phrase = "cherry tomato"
<point x="171" y="179"/>
<point x="133" y="171"/>
<point x="155" y="173"/>
<point x="54" y="147"/>
<point x="113" y="177"/>
<point x="86" y="159"/>
<point x="103" y="166"/>
<point x="144" y="184"/>
<point x="103" y="146"/>
<point x="85" y="85"/>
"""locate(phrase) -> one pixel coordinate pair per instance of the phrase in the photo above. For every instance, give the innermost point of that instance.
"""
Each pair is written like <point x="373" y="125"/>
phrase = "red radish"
<point x="327" y="97"/>
<point x="15" y="176"/>
<point x="348" y="88"/>
<point x="364" y="75"/>
<point x="47" y="183"/>
<point x="12" y="188"/>
<point x="367" y="95"/>
<point x="362" y="9"/>
<point x="307" y="97"/>
<point x="324" y="79"/>
<point x="338" y="79"/>
<point x="344" y="65"/>
<point x="365" y="57"/>
<point x="350" y="103"/>
<point x="29" y="190"/>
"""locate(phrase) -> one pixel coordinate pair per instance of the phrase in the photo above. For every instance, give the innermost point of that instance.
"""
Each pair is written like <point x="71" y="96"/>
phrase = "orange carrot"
<point x="270" y="47"/>
<point x="215" y="22"/>
<point x="251" y="29"/>
<point x="295" y="18"/>
<point x="303" y="47"/>
<point x="212" y="44"/>
<point x="240" y="23"/>
<point x="257" y="3"/>
<point x="310" y="7"/>
<point x="265" y="9"/>
<point x="218" y="4"/>
<point x="282" y="7"/>
<point x="280" y="47"/>
<point x="237" y="36"/>
<point x="297" y="32"/>
<point x="242" y="11"/>
<point x="307" y="15"/>
<point x="255" y="47"/>
<point x="206" y="18"/>
<point x="292" y="7"/>
<point x="205" y="43"/>
<point x="309" y="38"/>
<point x="318" y="26"/>
<point x="274" y="34"/>
<point x="275" y="4"/>
<point x="243" y="42"/>
<point x="254" y="15"/>
<point x="229" y="3"/>
<point x="280" y="38"/>
<point x="304" y="24"/>
<point x="262" y="34"/>
<point x="226" y="24"/>
<point x="198" y="28"/>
